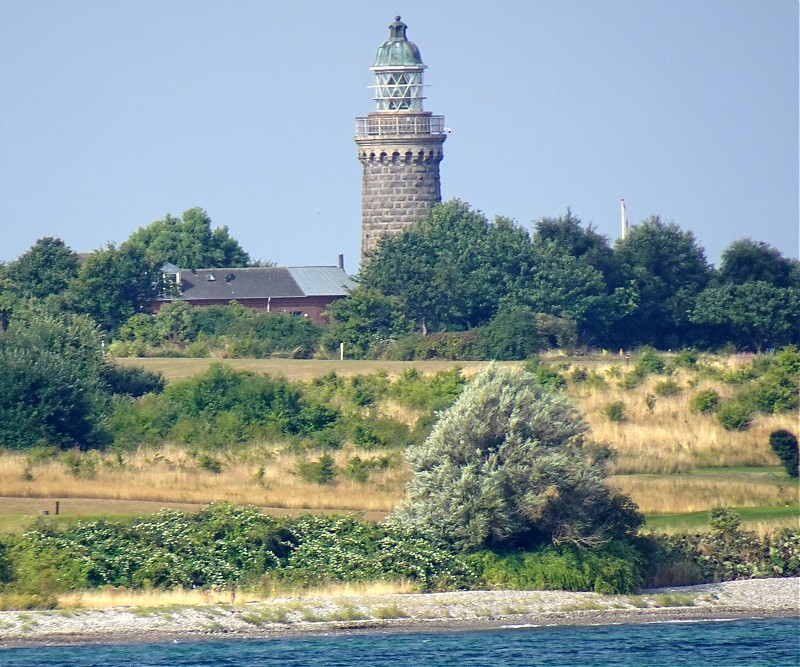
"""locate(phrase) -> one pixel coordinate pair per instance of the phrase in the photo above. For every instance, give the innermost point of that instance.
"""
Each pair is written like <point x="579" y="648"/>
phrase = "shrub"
<point x="615" y="411"/>
<point x="784" y="444"/>
<point x="51" y="389"/>
<point x="725" y="552"/>
<point x="615" y="568"/>
<point x="506" y="464"/>
<point x="79" y="464"/>
<point x="405" y="553"/>
<point x="347" y="548"/>
<point x="705" y="401"/>
<point x="512" y="334"/>
<point x="650" y="362"/>
<point x="372" y="433"/>
<point x="432" y="393"/>
<point x="776" y="389"/>
<point x="321" y="472"/>
<point x="221" y="406"/>
<point x="630" y="381"/>
<point x="545" y="374"/>
<point x="131" y="381"/>
<point x="667" y="388"/>
<point x="735" y="416"/>
<point x="218" y="546"/>
<point x="238" y="331"/>
<point x="5" y="562"/>
<point x="359" y="469"/>
<point x="454" y="345"/>
<point x="331" y="548"/>
<point x="595" y="381"/>
<point x="579" y="374"/>
<point x="686" y="358"/>
<point x="366" y="390"/>
<point x="209" y="463"/>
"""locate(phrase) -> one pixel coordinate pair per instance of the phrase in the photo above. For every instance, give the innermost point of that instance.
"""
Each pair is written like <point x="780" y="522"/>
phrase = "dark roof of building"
<point x="262" y="283"/>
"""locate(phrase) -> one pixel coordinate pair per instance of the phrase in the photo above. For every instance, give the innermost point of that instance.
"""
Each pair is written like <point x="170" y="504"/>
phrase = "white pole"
<point x="624" y="212"/>
<point x="341" y="351"/>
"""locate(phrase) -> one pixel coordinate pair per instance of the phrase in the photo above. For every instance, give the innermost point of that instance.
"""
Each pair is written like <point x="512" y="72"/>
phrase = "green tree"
<point x="746" y="261"/>
<point x="46" y="268"/>
<point x="558" y="284"/>
<point x="508" y="465"/>
<point x="51" y="389"/>
<point x="570" y="236"/>
<point x="114" y="284"/>
<point x="754" y="314"/>
<point x="364" y="318"/>
<point x="454" y="270"/>
<point x="784" y="444"/>
<point x="512" y="334"/>
<point x="189" y="242"/>
<point x="449" y="269"/>
<point x="9" y="299"/>
<point x="667" y="269"/>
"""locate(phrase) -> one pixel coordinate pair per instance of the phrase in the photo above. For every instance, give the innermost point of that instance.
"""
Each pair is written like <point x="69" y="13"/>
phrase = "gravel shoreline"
<point x="433" y="612"/>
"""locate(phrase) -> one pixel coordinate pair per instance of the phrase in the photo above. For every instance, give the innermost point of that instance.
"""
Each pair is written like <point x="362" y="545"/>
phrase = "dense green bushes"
<point x="183" y="330"/>
<point x="52" y="389"/>
<point x="223" y="406"/>
<point x="615" y="568"/>
<point x="218" y="407"/>
<point x="768" y="385"/>
<point x="705" y="401"/>
<point x="724" y="553"/>
<point x="226" y="546"/>
<point x="220" y="546"/>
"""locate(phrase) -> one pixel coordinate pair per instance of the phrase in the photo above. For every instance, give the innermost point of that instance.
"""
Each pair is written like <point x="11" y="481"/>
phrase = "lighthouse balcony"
<point x="399" y="125"/>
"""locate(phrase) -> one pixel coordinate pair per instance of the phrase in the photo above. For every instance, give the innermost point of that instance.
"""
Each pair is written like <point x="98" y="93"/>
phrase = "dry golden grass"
<point x="401" y="413"/>
<point x="669" y="437"/>
<point x="678" y="494"/>
<point x="108" y="598"/>
<point x="173" y="475"/>
<point x="297" y="369"/>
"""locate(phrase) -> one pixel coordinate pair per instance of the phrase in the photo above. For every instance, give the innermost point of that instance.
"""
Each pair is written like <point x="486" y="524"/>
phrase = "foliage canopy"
<point x="508" y="465"/>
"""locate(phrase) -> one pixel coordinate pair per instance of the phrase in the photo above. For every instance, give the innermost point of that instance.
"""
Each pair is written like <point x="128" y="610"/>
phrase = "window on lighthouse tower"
<point x="399" y="91"/>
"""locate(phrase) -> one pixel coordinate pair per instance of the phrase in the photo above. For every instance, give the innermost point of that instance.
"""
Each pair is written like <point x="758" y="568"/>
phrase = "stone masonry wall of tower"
<point x="400" y="184"/>
<point x="399" y="145"/>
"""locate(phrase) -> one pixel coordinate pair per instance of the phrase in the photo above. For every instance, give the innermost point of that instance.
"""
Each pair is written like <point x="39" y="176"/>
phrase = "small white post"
<point x="341" y="351"/>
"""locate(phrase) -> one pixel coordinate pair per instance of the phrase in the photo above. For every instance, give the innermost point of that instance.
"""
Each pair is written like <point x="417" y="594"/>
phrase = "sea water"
<point x="754" y="643"/>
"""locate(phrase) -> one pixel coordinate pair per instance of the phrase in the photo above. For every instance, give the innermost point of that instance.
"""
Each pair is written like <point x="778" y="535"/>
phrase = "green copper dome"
<point x="397" y="51"/>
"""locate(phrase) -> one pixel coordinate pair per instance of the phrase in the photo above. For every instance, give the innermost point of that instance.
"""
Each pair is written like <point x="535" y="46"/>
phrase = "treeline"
<point x="492" y="290"/>
<point x="454" y="285"/>
<point x="113" y="284"/>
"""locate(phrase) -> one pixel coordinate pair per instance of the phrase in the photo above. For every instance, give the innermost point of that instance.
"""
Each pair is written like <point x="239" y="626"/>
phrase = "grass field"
<point x="758" y="519"/>
<point x="675" y="464"/>
<point x="297" y="369"/>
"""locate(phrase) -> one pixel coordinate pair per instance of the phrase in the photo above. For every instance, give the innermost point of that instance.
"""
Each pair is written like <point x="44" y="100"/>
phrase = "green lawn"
<point x="753" y="518"/>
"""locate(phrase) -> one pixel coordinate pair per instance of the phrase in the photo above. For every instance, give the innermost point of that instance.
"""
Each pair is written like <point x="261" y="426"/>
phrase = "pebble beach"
<point x="445" y="612"/>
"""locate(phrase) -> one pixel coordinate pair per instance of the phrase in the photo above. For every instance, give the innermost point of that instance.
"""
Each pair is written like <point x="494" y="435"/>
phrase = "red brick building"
<point x="303" y="291"/>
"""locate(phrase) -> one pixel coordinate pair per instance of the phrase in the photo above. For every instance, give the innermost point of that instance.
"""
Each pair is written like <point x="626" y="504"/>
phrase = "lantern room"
<point x="398" y="72"/>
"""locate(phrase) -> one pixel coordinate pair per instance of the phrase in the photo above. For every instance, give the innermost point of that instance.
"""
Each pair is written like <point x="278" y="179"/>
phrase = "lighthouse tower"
<point x="399" y="144"/>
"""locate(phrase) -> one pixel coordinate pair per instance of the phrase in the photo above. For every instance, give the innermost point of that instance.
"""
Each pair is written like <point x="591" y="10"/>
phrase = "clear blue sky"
<point x="115" y="113"/>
